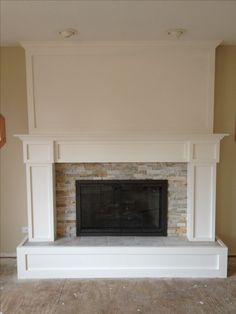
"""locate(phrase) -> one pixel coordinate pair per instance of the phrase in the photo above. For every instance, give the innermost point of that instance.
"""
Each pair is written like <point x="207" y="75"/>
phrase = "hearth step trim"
<point x="121" y="261"/>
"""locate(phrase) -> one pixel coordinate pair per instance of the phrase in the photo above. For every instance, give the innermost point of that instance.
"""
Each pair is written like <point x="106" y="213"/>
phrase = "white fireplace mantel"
<point x="201" y="152"/>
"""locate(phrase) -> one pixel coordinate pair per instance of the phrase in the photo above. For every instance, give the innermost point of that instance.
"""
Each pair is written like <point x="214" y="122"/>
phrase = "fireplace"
<point x="121" y="207"/>
<point x="133" y="129"/>
<point x="187" y="163"/>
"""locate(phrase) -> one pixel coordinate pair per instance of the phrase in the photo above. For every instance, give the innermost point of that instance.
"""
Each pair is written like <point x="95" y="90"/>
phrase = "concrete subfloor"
<point x="119" y="296"/>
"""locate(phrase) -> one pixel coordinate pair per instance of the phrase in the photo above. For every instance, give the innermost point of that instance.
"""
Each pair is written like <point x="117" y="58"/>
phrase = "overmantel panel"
<point x="109" y="87"/>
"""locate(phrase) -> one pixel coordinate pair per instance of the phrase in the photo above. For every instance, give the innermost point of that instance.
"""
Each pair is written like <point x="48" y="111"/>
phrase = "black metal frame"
<point x="162" y="231"/>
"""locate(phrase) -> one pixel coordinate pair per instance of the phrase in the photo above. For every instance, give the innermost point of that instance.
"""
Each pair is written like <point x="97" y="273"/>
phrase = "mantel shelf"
<point x="122" y="137"/>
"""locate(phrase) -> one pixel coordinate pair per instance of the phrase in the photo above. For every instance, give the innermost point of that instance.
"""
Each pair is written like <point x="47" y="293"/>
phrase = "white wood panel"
<point x="83" y="261"/>
<point x="118" y="262"/>
<point x="113" y="87"/>
<point x="38" y="152"/>
<point x="121" y="151"/>
<point x="204" y="151"/>
<point x="201" y="201"/>
<point x="40" y="202"/>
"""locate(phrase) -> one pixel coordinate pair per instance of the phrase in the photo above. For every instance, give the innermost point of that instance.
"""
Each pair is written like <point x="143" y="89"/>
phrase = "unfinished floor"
<point x="131" y="296"/>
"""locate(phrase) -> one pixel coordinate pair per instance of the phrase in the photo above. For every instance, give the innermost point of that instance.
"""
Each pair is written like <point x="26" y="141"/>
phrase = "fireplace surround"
<point x="66" y="174"/>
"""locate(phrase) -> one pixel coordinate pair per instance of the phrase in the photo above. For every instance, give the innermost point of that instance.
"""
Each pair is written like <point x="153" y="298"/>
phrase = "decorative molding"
<point x="161" y="148"/>
<point x="38" y="152"/>
<point x="147" y="137"/>
<point x="110" y="43"/>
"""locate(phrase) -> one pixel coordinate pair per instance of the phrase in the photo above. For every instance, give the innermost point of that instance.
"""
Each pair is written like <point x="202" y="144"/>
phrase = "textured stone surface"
<point x="68" y="173"/>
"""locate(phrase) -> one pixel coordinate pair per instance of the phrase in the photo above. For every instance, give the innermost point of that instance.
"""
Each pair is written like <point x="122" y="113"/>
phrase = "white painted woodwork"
<point x="41" y="151"/>
<point x="120" y="151"/>
<point x="122" y="261"/>
<point x="40" y="196"/>
<point x="201" y="201"/>
<point x="201" y="152"/>
<point x="113" y="87"/>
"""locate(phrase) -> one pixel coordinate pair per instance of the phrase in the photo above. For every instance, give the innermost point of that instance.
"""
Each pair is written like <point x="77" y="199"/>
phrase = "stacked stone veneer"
<point x="68" y="173"/>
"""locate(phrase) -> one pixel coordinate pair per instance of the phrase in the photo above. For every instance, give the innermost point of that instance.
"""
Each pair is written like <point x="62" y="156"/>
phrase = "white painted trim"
<point x="120" y="151"/>
<point x="211" y="89"/>
<point x="140" y="137"/>
<point x="194" y="210"/>
<point x="190" y="205"/>
<point x="110" y="43"/>
<point x="41" y="155"/>
<point x="30" y="91"/>
<point x="165" y="148"/>
<point x="214" y="154"/>
<point x="121" y="262"/>
<point x="48" y="233"/>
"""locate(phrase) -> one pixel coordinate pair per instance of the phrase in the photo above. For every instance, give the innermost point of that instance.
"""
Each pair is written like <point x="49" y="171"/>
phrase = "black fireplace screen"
<point x="121" y="207"/>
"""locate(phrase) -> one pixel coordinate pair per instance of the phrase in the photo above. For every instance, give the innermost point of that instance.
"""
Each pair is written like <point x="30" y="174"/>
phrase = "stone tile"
<point x="93" y="241"/>
<point x="68" y="173"/>
<point x="121" y="240"/>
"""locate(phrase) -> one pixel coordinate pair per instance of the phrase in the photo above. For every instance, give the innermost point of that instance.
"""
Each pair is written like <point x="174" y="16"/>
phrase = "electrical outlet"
<point x="24" y="229"/>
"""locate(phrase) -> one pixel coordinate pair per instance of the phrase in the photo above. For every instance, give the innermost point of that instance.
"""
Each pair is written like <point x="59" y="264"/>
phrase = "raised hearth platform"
<point x="121" y="257"/>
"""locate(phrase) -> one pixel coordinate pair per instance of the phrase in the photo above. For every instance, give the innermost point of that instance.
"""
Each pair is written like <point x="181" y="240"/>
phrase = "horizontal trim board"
<point x="175" y="148"/>
<point x="120" y="152"/>
<point x="138" y="136"/>
<point x="110" y="43"/>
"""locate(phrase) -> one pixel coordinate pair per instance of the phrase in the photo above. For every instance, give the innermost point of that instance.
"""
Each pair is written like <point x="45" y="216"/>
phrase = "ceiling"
<point x="40" y="20"/>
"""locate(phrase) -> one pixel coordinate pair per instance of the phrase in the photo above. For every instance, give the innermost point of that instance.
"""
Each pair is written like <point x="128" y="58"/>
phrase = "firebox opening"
<point x="121" y="207"/>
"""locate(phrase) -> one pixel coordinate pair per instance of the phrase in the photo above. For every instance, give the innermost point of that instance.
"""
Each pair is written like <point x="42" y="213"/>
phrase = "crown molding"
<point x="86" y="44"/>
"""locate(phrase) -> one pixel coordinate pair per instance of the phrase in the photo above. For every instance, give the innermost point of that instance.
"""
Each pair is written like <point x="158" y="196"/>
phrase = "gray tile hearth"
<point x="124" y="241"/>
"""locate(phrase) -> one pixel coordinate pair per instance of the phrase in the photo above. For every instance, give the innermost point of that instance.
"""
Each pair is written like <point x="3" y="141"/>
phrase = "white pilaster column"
<point x="39" y="161"/>
<point x="201" y="201"/>
<point x="201" y="189"/>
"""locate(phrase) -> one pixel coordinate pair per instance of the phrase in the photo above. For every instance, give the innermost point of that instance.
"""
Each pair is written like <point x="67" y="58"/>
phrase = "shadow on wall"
<point x="224" y="122"/>
<point x="13" y="209"/>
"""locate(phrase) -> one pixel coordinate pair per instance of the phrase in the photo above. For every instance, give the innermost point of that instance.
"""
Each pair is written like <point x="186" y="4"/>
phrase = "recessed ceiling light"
<point x="176" y="33"/>
<point x="67" y="33"/>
